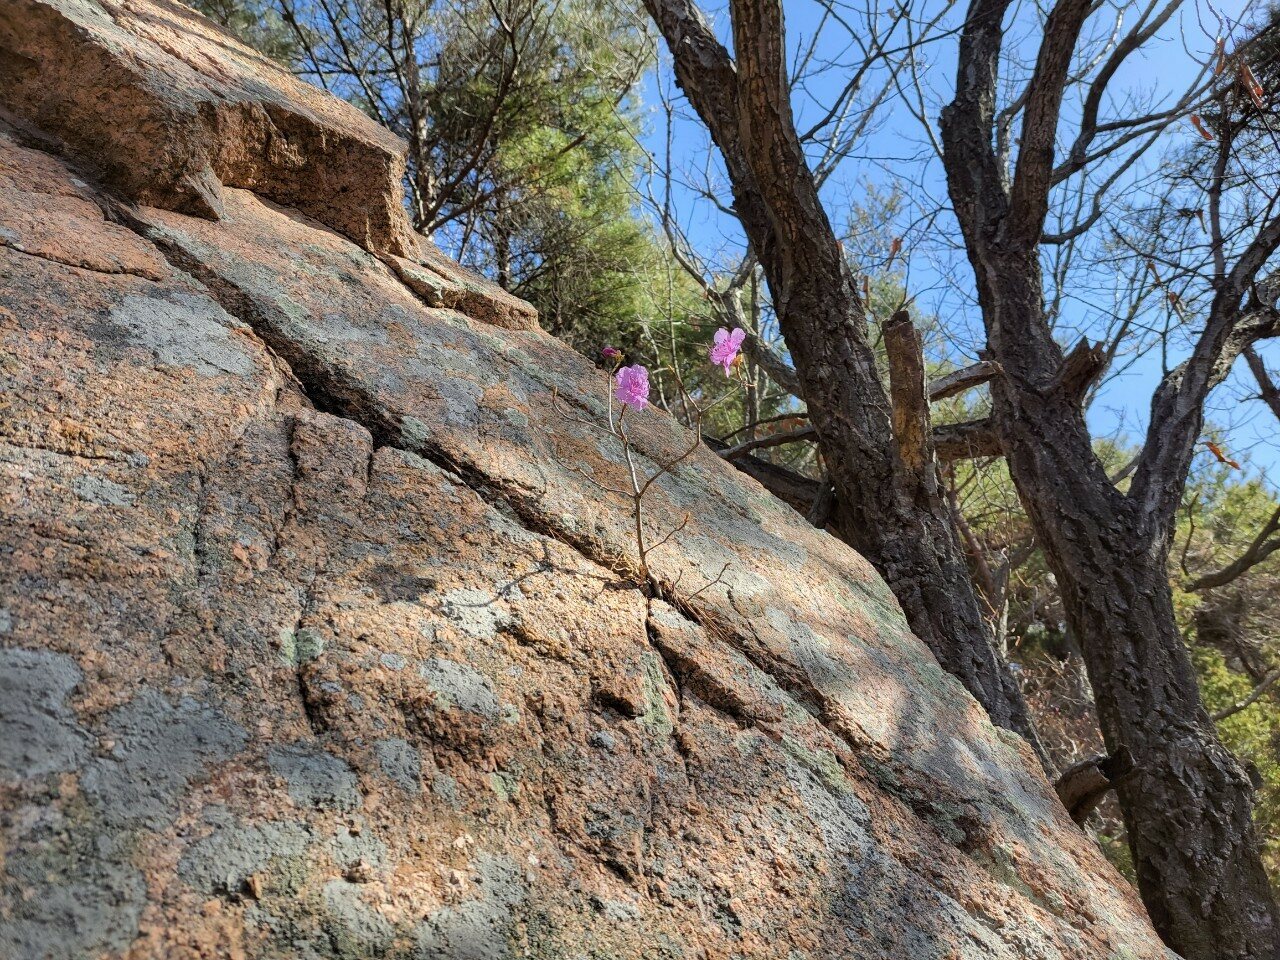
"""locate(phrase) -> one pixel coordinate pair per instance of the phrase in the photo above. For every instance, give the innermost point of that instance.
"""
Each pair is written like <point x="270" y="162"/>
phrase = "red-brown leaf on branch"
<point x="1200" y="127"/>
<point x="1220" y="55"/>
<point x="1251" y="85"/>
<point x="786" y="425"/>
<point x="1222" y="457"/>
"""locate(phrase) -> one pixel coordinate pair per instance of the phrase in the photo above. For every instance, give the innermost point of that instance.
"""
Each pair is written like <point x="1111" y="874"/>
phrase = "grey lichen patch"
<point x="355" y="928"/>
<point x="184" y="330"/>
<point x="478" y="929"/>
<point x="604" y="740"/>
<point x="159" y="748"/>
<point x="315" y="778"/>
<point x="39" y="733"/>
<point x="393" y="661"/>
<point x="289" y="647"/>
<point x="504" y="785"/>
<point x="461" y="398"/>
<point x="457" y="685"/>
<point x="70" y="892"/>
<point x="618" y="911"/>
<point x="302" y="646"/>
<point x="811" y="650"/>
<point x="822" y="762"/>
<point x="308" y="645"/>
<point x="446" y="788"/>
<point x="400" y="763"/>
<point x="414" y="433"/>
<point x="103" y="492"/>
<point x="1001" y="866"/>
<point x="223" y="862"/>
<point x="355" y="845"/>
<point x="476" y="613"/>
<point x="656" y="717"/>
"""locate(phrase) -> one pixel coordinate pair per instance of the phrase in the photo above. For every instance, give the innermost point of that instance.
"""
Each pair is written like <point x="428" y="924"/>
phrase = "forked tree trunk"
<point x="1187" y="806"/>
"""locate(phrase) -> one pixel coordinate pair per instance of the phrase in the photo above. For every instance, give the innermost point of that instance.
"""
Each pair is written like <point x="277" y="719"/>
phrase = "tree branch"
<point x="958" y="381"/>
<point x="772" y="440"/>
<point x="1082" y="786"/>
<point x="1261" y="547"/>
<point x="771" y="362"/>
<point x="1177" y="408"/>
<point x="966" y="441"/>
<point x="1033" y="175"/>
<point x="796" y="490"/>
<point x="1080" y="368"/>
<point x="1267" y="683"/>
<point x="910" y="408"/>
<point x="1268" y="391"/>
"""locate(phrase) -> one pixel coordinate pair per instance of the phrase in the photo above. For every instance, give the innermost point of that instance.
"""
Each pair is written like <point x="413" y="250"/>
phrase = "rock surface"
<point x="320" y="638"/>
<point x="168" y="110"/>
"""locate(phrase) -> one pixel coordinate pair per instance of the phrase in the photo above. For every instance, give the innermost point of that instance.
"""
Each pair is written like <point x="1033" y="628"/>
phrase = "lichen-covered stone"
<point x="317" y="641"/>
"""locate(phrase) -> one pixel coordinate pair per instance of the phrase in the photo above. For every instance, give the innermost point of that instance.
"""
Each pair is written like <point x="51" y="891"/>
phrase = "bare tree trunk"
<point x="1187" y="808"/>
<point x="892" y="514"/>
<point x="754" y="373"/>
<point x="501" y="247"/>
<point x="1187" y="805"/>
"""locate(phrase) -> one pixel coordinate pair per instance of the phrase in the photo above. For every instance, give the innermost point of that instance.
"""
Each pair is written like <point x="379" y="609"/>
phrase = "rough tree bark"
<point x="1187" y="805"/>
<point x="887" y="510"/>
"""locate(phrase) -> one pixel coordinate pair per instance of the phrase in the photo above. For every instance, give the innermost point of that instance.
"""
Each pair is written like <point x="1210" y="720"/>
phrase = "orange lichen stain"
<point x="500" y="397"/>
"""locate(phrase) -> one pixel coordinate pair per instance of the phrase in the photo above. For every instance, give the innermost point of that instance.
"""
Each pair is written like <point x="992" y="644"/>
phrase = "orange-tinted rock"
<point x="319" y="637"/>
<point x="168" y="109"/>
<point x="440" y="282"/>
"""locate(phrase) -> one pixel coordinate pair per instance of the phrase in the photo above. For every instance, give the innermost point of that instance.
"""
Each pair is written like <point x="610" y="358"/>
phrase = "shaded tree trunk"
<point x="1187" y="805"/>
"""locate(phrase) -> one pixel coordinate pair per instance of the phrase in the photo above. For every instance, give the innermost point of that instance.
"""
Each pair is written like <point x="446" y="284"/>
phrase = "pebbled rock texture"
<point x="319" y="640"/>
<point x="168" y="109"/>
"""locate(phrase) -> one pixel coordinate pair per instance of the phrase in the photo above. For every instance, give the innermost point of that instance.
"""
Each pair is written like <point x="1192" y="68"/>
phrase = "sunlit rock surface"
<point x="318" y="638"/>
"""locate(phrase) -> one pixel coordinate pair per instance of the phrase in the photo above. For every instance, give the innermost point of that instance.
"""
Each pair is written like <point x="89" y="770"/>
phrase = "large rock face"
<point x="318" y="638"/>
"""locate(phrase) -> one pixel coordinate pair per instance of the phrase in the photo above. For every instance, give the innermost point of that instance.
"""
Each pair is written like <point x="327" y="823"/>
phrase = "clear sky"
<point x="895" y="149"/>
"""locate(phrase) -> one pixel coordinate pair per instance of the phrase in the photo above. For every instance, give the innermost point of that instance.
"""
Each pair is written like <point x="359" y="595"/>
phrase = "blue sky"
<point x="896" y="150"/>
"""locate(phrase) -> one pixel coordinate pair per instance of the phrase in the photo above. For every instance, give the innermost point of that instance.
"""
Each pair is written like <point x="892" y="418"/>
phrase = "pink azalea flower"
<point x="611" y="353"/>
<point x="633" y="386"/>
<point x="727" y="346"/>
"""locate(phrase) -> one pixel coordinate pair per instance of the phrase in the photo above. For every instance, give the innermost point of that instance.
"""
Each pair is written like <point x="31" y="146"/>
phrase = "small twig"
<point x="1267" y="683"/>
<point x="801" y="415"/>
<point x="719" y="577"/>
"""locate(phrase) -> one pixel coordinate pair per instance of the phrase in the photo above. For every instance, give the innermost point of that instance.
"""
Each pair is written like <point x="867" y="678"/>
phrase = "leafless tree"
<point x="1187" y="806"/>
